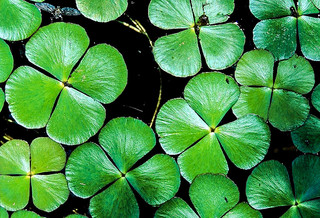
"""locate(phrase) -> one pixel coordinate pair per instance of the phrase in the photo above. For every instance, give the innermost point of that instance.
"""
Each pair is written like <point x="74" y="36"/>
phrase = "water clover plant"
<point x="126" y="140"/>
<point x="190" y="127"/>
<point x="19" y="19"/>
<point x="32" y="170"/>
<point x="102" y="11"/>
<point x="212" y="195"/>
<point x="278" y="100"/>
<point x="65" y="100"/>
<point x="307" y="137"/>
<point x="18" y="214"/>
<point x="204" y="30"/>
<point x="284" y="25"/>
<point x="269" y="186"/>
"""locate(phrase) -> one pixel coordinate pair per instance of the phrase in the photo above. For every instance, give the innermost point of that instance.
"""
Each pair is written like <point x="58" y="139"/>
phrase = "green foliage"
<point x="68" y="103"/>
<point x="190" y="127"/>
<point x="89" y="170"/>
<point x="32" y="168"/>
<point x="204" y="25"/>
<point x="269" y="186"/>
<point x="278" y="100"/>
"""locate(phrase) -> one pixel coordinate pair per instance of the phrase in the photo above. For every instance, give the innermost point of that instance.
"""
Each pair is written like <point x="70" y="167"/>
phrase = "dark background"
<point x="139" y="99"/>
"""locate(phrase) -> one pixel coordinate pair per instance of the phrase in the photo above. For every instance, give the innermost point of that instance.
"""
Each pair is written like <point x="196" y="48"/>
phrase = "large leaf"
<point x="102" y="11"/>
<point x="6" y="64"/>
<point x="315" y="98"/>
<point x="266" y="9"/>
<point x="310" y="208"/>
<point x="19" y="19"/>
<point x="176" y="207"/>
<point x="3" y="213"/>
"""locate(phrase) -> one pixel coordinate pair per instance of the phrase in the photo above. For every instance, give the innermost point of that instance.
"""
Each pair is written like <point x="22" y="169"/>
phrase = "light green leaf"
<point x="293" y="212"/>
<point x="204" y="157"/>
<point x="49" y="191"/>
<point x="46" y="156"/>
<point x="57" y="47"/>
<point x="117" y="200"/>
<point x="179" y="126"/>
<point x="269" y="186"/>
<point x="307" y="137"/>
<point x="265" y="9"/>
<point x="6" y="64"/>
<point x="255" y="68"/>
<point x="178" y="54"/>
<point x="307" y="7"/>
<point x="218" y="94"/>
<point x="126" y="140"/>
<point x="76" y="118"/>
<point x="157" y="180"/>
<point x="19" y="19"/>
<point x="279" y="36"/>
<point x="25" y="214"/>
<point x="15" y="158"/>
<point x="168" y="14"/>
<point x="243" y="210"/>
<point x="316" y="3"/>
<point x="315" y="97"/>
<point x="222" y="45"/>
<point x="31" y="96"/>
<point x="245" y="140"/>
<point x="288" y="110"/>
<point x="309" y="30"/>
<point x="213" y="195"/>
<point x="101" y="74"/>
<point x="14" y="192"/>
<point x="2" y="99"/>
<point x="102" y="11"/>
<point x="88" y="170"/>
<point x="310" y="208"/>
<point x="3" y="213"/>
<point x="176" y="207"/>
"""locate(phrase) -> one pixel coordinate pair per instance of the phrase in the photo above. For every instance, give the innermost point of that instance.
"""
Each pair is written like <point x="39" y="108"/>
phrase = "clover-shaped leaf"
<point x="190" y="126"/>
<point x="18" y="214"/>
<point x="283" y="24"/>
<point x="68" y="103"/>
<point x="19" y="19"/>
<point x="102" y="11"/>
<point x="34" y="169"/>
<point x="269" y="186"/>
<point x="204" y="30"/>
<point x="126" y="140"/>
<point x="280" y="101"/>
<point x="212" y="195"/>
<point x="307" y="137"/>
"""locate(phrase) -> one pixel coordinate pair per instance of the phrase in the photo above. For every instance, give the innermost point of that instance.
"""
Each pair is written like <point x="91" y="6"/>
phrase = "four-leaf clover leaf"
<point x="126" y="140"/>
<point x="191" y="126"/>
<point x="204" y="31"/>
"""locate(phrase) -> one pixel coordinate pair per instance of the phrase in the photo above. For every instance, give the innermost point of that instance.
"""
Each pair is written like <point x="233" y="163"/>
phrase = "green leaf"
<point x="204" y="157"/>
<point x="307" y="7"/>
<point x="117" y="200"/>
<point x="212" y="105"/>
<point x="2" y="99"/>
<point x="315" y="97"/>
<point x="19" y="19"/>
<point x="269" y="186"/>
<point x="176" y="207"/>
<point x="88" y="170"/>
<point x="76" y="118"/>
<point x="157" y="180"/>
<point x="3" y="213"/>
<point x="266" y="9"/>
<point x="120" y="138"/>
<point x="245" y="140"/>
<point x="28" y="92"/>
<point x="277" y="36"/>
<point x="293" y="212"/>
<point x="222" y="45"/>
<point x="307" y="137"/>
<point x="295" y="74"/>
<point x="49" y="191"/>
<point x="6" y="64"/>
<point x="243" y="210"/>
<point x="213" y="195"/>
<point x="288" y="110"/>
<point x="102" y="11"/>
<point x="102" y="74"/>
<point x="25" y="214"/>
<point x="76" y="216"/>
<point x="57" y="47"/>
<point x="309" y="30"/>
<point x="15" y="158"/>
<point x="305" y="177"/>
<point x="179" y="126"/>
<point x="316" y="3"/>
<point x="14" y="192"/>
<point x="310" y="208"/>
<point x="172" y="52"/>
<point x="168" y="14"/>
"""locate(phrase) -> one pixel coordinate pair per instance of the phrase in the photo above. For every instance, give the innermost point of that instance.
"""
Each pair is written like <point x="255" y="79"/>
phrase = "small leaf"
<point x="3" y="213"/>
<point x="25" y="214"/>
<point x="6" y="64"/>
<point x="310" y="208"/>
<point x="266" y="9"/>
<point x="315" y="98"/>
<point x="176" y="207"/>
<point x="307" y="7"/>
<point x="2" y="99"/>
<point x="243" y="210"/>
<point x="293" y="212"/>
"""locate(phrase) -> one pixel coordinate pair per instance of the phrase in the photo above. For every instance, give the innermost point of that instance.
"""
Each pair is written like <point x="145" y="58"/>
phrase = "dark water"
<point x="140" y="96"/>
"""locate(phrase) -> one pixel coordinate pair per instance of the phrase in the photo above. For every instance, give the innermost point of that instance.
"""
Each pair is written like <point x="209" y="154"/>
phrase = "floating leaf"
<point x="24" y="214"/>
<point x="6" y="64"/>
